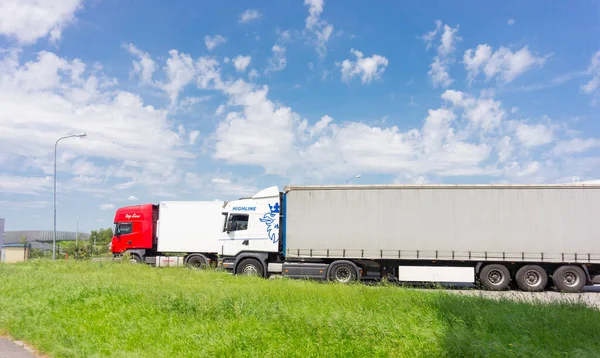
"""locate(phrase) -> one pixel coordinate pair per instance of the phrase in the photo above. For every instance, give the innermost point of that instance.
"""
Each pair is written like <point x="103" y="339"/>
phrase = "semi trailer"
<point x="528" y="236"/>
<point x="172" y="233"/>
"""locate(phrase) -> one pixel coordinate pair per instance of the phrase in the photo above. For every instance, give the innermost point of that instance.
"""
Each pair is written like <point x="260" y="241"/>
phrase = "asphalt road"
<point x="9" y="349"/>
<point x="590" y="296"/>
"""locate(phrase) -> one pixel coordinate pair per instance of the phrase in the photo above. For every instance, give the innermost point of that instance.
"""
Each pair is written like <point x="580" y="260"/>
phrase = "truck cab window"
<point x="124" y="228"/>
<point x="238" y="222"/>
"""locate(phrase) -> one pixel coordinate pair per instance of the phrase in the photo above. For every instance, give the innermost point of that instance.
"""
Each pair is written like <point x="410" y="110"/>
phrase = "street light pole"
<point x="54" y="232"/>
<point x="77" y="238"/>
<point x="355" y="177"/>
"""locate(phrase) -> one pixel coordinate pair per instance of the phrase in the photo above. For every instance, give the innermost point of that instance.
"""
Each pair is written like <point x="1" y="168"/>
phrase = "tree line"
<point x="95" y="245"/>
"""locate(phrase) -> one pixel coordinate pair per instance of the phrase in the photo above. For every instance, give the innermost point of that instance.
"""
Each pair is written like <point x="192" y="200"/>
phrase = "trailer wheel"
<point x="196" y="262"/>
<point x="342" y="272"/>
<point x="494" y="277"/>
<point x="249" y="267"/>
<point x="569" y="279"/>
<point x="532" y="278"/>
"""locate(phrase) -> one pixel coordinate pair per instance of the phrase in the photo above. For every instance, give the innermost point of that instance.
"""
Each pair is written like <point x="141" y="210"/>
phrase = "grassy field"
<point x="99" y="309"/>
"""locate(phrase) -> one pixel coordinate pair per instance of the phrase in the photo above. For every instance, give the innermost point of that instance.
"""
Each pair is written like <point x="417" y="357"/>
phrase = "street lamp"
<point x="54" y="233"/>
<point x="356" y="177"/>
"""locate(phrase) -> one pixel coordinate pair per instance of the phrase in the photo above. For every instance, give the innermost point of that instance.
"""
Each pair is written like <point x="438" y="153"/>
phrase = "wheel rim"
<point x="495" y="277"/>
<point x="196" y="264"/>
<point x="343" y="274"/>
<point x="532" y="278"/>
<point x="571" y="278"/>
<point x="250" y="270"/>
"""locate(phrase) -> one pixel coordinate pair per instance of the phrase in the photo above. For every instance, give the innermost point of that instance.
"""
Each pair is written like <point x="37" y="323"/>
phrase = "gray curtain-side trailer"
<point x="534" y="235"/>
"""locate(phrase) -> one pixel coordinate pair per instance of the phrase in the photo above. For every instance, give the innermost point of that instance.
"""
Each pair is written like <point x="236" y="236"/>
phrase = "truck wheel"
<point x="196" y="262"/>
<point x="532" y="278"/>
<point x="135" y="259"/>
<point x="342" y="272"/>
<point x="249" y="267"/>
<point x="569" y="279"/>
<point x="494" y="277"/>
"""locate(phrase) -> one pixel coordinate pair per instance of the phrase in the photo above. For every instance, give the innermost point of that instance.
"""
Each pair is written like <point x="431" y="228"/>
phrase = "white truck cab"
<point x="251" y="232"/>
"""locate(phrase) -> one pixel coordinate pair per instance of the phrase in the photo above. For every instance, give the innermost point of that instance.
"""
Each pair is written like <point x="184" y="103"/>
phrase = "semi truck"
<point x="525" y="236"/>
<point x="155" y="234"/>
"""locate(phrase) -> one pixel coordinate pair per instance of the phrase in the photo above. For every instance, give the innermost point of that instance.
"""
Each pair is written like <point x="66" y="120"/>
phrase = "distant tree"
<point x="23" y="240"/>
<point x="38" y="254"/>
<point x="101" y="238"/>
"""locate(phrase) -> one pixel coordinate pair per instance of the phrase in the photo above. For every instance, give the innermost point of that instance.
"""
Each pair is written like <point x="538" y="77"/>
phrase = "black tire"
<point x="249" y="267"/>
<point x="494" y="277"/>
<point x="135" y="259"/>
<point x="532" y="278"/>
<point x="342" y="272"/>
<point x="569" y="278"/>
<point x="196" y="262"/>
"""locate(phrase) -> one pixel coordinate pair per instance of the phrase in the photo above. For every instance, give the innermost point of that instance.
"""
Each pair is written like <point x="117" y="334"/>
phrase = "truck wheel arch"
<point x="260" y="256"/>
<point x="206" y="259"/>
<point x="334" y="263"/>
<point x="141" y="254"/>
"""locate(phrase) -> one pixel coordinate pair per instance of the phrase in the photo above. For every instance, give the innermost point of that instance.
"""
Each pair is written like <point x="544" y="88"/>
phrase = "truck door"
<point x="236" y="237"/>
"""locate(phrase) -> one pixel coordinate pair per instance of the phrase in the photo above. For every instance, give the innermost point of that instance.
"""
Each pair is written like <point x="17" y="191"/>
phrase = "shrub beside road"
<point x="68" y="309"/>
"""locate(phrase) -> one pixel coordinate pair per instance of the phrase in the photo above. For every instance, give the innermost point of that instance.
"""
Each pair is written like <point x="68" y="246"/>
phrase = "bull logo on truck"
<point x="272" y="225"/>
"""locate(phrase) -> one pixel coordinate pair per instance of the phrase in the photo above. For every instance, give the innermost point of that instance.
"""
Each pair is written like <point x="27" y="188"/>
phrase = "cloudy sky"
<point x="199" y="100"/>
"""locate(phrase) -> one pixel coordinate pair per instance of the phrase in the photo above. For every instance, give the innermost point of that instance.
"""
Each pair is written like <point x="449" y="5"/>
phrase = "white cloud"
<point x="180" y="71"/>
<point x="438" y="70"/>
<point x="511" y="21"/>
<point x="503" y="64"/>
<point x="220" y="110"/>
<point x="320" y="126"/>
<point x="253" y="74"/>
<point x="24" y="185"/>
<point x="241" y="63"/>
<point x="593" y="70"/>
<point x="320" y="29"/>
<point x="448" y="41"/>
<point x="49" y="97"/>
<point x="106" y="207"/>
<point x="575" y="145"/>
<point x="261" y="133"/>
<point x="534" y="135"/>
<point x="193" y="136"/>
<point x="214" y="41"/>
<point x="430" y="36"/>
<point x="368" y="68"/>
<point x="277" y="62"/>
<point x="249" y="15"/>
<point x="29" y="20"/>
<point x="439" y="73"/>
<point x="188" y="102"/>
<point x="483" y="112"/>
<point x="132" y="198"/>
<point x="145" y="67"/>
<point x="505" y="149"/>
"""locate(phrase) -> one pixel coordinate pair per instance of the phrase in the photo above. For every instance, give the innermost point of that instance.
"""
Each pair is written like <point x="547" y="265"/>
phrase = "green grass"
<point x="98" y="309"/>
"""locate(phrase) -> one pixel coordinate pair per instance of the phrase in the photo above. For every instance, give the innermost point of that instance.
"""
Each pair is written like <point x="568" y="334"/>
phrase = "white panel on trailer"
<point x="190" y="226"/>
<point x="436" y="274"/>
<point x="548" y="223"/>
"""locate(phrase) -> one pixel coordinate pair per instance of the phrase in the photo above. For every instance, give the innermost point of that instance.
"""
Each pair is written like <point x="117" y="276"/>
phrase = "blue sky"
<point x="187" y="100"/>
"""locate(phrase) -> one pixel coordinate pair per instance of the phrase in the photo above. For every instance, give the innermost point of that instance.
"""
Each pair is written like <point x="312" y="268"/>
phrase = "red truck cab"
<point x="135" y="228"/>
